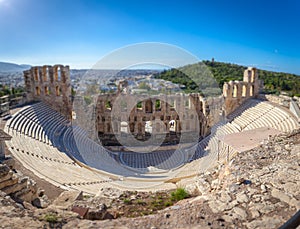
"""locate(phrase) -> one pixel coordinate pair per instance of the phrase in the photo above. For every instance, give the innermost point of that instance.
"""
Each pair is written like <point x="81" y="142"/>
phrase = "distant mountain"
<point x="11" y="67"/>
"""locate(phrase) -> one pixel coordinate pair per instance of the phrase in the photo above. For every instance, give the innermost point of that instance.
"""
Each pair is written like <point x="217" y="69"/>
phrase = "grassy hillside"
<point x="195" y="77"/>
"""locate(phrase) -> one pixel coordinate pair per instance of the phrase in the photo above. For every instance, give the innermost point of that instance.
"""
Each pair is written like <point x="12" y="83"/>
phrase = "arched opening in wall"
<point x="187" y="103"/>
<point x="139" y="106"/>
<point x="36" y="74"/>
<point x="157" y="105"/>
<point x="124" y="127"/>
<point x="148" y="106"/>
<point x="47" y="73"/>
<point x="37" y="91"/>
<point x="108" y="105"/>
<point x="46" y="90"/>
<point x="244" y="91"/>
<point x="100" y="126"/>
<point x="201" y="106"/>
<point x="172" y="104"/>
<point x="252" y="90"/>
<point x="172" y="126"/>
<point x="59" y="73"/>
<point x="249" y="75"/>
<point x="148" y="127"/>
<point x="57" y="91"/>
<point x="131" y="127"/>
<point x="234" y="91"/>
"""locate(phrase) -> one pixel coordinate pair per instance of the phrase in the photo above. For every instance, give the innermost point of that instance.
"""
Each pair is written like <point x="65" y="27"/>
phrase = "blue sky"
<point x="261" y="33"/>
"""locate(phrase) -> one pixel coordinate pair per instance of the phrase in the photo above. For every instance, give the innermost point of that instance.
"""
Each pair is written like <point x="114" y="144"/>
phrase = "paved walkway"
<point x="249" y="139"/>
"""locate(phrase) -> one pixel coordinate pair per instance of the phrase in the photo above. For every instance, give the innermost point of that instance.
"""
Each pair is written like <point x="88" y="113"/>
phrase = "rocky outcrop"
<point x="21" y="189"/>
<point x="66" y="199"/>
<point x="93" y="213"/>
<point x="257" y="189"/>
<point x="255" y="185"/>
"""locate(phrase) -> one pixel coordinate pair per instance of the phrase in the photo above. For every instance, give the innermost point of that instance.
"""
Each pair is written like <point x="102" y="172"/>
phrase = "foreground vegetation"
<point x="134" y="204"/>
<point x="13" y="92"/>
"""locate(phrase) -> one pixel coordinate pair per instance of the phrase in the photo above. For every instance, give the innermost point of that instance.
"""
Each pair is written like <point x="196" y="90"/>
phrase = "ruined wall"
<point x="237" y="92"/>
<point x="170" y="115"/>
<point x="50" y="84"/>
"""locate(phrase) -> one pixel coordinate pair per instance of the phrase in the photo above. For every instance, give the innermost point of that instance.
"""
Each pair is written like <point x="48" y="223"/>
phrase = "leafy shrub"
<point x="127" y="201"/>
<point x="51" y="218"/>
<point x="141" y="202"/>
<point x="179" y="194"/>
<point x="168" y="203"/>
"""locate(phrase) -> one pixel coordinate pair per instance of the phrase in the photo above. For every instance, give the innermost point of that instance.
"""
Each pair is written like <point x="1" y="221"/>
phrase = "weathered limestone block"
<point x="240" y="212"/>
<point x="242" y="198"/>
<point x="99" y="213"/>
<point x="280" y="195"/>
<point x="40" y="202"/>
<point x="29" y="193"/>
<point x="22" y="183"/>
<point x="67" y="198"/>
<point x="265" y="222"/>
<point x="25" y="195"/>
<point x="6" y="177"/>
<point x="12" y="181"/>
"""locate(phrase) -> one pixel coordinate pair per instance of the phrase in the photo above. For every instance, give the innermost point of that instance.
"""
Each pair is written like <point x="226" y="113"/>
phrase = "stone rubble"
<point x="21" y="188"/>
<point x="256" y="189"/>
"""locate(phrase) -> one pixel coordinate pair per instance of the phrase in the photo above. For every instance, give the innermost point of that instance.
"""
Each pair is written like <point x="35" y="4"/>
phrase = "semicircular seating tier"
<point x="48" y="145"/>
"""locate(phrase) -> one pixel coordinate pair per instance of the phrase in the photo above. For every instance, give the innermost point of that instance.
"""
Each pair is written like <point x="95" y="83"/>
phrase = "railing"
<point x="293" y="222"/>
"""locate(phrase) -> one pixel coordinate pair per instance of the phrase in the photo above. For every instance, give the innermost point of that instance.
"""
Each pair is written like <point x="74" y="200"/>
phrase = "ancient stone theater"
<point x="188" y="133"/>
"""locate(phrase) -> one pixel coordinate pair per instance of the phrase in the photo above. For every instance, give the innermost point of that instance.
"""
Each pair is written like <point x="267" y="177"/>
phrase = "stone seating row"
<point x="163" y="159"/>
<point x="48" y="144"/>
<point x="60" y="171"/>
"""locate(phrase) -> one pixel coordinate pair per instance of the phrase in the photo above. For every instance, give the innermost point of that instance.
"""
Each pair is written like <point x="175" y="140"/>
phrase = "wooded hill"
<point x="197" y="77"/>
